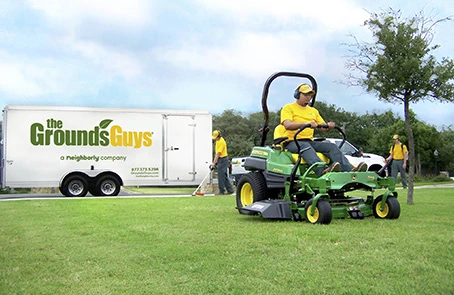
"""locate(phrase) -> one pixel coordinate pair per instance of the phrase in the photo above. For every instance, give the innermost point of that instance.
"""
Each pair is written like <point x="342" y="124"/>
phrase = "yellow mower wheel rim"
<point x="312" y="218"/>
<point x="246" y="195"/>
<point x="382" y="213"/>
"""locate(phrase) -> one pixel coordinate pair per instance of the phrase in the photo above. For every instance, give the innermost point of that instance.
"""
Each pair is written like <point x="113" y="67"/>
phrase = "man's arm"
<point x="331" y="126"/>
<point x="290" y="125"/>
<point x="216" y="158"/>
<point x="404" y="165"/>
<point x="391" y="154"/>
<point x="389" y="158"/>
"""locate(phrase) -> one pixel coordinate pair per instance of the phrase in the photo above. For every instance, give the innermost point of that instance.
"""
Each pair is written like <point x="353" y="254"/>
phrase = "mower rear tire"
<point x="391" y="209"/>
<point x="251" y="188"/>
<point x="322" y="214"/>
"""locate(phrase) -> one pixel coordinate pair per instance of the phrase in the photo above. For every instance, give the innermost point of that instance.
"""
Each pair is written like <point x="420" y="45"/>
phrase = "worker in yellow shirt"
<point x="296" y="114"/>
<point x="221" y="160"/>
<point x="398" y="154"/>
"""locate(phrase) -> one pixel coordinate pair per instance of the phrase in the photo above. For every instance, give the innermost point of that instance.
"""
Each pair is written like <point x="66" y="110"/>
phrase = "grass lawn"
<point x="201" y="245"/>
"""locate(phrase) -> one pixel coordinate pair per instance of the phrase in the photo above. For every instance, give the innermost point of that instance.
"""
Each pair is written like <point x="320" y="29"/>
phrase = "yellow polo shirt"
<point x="221" y="148"/>
<point x="296" y="113"/>
<point x="398" y="151"/>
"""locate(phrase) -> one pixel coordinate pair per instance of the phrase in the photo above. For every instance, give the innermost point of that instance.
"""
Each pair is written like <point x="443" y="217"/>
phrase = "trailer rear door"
<point x="179" y="147"/>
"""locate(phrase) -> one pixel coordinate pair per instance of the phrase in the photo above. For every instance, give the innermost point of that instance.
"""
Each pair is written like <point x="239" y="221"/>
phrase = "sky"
<point x="195" y="54"/>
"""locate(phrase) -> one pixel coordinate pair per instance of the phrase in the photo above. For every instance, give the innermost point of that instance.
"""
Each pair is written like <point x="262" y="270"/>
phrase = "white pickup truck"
<point x="354" y="155"/>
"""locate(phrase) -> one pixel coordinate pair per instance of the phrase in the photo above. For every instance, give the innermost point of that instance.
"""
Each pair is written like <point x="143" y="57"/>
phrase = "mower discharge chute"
<point x="281" y="185"/>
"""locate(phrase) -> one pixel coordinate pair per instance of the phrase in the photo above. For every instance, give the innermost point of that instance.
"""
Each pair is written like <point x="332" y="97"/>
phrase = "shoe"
<point x="362" y="167"/>
<point x="230" y="193"/>
<point x="335" y="167"/>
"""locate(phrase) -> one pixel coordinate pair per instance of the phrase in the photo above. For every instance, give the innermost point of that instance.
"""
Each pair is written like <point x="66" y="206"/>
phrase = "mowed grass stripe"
<point x="201" y="245"/>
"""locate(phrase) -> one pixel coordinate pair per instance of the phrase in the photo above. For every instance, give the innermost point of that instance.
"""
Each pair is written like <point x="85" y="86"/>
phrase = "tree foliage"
<point x="372" y="132"/>
<point x="399" y="67"/>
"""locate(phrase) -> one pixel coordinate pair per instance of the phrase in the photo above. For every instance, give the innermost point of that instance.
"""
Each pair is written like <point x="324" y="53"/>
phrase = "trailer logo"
<point x="53" y="133"/>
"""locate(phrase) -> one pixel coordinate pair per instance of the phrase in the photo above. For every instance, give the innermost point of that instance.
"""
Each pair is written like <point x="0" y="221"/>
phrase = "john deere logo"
<point x="54" y="133"/>
<point x="259" y="153"/>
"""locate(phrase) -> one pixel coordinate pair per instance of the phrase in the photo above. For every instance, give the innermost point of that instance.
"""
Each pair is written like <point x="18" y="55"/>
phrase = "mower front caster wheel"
<point x="322" y="214"/>
<point x="391" y="209"/>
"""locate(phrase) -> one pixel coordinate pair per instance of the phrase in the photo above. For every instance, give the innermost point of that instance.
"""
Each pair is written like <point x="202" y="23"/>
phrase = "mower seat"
<point x="279" y="139"/>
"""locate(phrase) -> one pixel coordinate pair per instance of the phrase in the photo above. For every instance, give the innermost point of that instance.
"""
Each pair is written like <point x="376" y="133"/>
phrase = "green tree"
<point x="235" y="129"/>
<point x="400" y="68"/>
<point x="376" y="136"/>
<point x="256" y="122"/>
<point x="446" y="150"/>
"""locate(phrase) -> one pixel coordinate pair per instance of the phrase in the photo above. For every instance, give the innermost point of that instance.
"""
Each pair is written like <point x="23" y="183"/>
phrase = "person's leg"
<point x="228" y="184"/>
<point x="222" y="166"/>
<point x="334" y="153"/>
<point x="307" y="152"/>
<point x="403" y="174"/>
<point x="394" y="170"/>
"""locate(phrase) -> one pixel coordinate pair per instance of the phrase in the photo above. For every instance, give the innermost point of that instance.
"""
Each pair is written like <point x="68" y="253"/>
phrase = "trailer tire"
<point x="322" y="215"/>
<point x="75" y="186"/>
<point x="251" y="188"/>
<point x="108" y="185"/>
<point x="391" y="209"/>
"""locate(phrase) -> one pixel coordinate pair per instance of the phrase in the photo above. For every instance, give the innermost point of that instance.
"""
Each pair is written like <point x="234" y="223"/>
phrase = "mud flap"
<point x="271" y="209"/>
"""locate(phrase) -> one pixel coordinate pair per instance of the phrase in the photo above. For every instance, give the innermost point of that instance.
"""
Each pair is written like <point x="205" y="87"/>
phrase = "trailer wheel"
<point x="322" y="214"/>
<point x="391" y="210"/>
<point x="60" y="188"/>
<point x="75" y="186"/>
<point x="107" y="185"/>
<point x="251" y="188"/>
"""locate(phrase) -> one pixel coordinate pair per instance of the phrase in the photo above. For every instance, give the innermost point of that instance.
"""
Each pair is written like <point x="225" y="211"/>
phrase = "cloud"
<point x="13" y="81"/>
<point x="29" y="78"/>
<point x="340" y="15"/>
<point x="128" y="13"/>
<point x="109" y="61"/>
<point x="247" y="53"/>
<point x="257" y="37"/>
<point x="150" y="53"/>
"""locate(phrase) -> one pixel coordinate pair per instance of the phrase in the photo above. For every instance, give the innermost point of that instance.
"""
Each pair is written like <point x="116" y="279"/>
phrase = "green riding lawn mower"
<point x="282" y="186"/>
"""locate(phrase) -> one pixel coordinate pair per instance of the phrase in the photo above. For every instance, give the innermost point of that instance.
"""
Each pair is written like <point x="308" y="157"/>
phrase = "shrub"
<point x="441" y="178"/>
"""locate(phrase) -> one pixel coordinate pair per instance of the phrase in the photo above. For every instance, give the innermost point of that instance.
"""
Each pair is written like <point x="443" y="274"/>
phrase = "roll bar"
<point x="265" y="129"/>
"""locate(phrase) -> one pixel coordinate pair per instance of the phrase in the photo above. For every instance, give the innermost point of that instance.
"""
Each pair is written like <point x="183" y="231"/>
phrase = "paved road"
<point x="122" y="194"/>
<point x="127" y="194"/>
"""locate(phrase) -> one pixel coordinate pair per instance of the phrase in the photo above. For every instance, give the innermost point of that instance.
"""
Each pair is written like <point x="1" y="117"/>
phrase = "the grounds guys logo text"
<point x="53" y="133"/>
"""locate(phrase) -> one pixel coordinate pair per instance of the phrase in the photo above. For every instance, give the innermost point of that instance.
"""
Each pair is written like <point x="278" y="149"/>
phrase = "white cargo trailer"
<point x="97" y="150"/>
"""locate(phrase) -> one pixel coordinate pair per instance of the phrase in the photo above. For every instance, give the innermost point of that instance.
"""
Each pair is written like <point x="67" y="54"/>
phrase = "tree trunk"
<point x="411" y="152"/>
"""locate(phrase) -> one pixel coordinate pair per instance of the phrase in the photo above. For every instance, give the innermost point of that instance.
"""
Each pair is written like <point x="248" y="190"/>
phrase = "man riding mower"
<point x="281" y="185"/>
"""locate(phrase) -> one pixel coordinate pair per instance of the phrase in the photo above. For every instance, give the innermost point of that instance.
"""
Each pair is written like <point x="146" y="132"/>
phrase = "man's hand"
<point x="313" y="125"/>
<point x="331" y="125"/>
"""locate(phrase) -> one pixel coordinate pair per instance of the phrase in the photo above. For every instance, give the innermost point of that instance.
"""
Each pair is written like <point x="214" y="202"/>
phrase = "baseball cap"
<point x="304" y="88"/>
<point x="396" y="136"/>
<point x="216" y="134"/>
